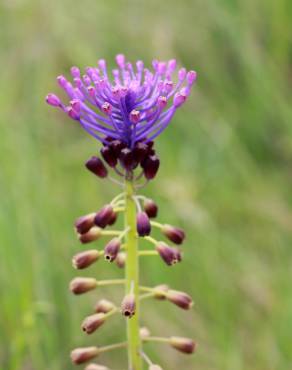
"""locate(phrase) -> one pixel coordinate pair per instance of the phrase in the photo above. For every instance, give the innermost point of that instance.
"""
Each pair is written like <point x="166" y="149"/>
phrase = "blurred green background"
<point x="225" y="177"/>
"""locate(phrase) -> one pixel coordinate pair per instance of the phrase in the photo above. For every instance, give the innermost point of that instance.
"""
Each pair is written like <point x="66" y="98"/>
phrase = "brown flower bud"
<point x="93" y="322"/>
<point x="104" y="216"/>
<point x="121" y="259"/>
<point x="111" y="250"/>
<point x="184" y="345"/>
<point x="140" y="151"/>
<point x="169" y="255"/>
<point x="96" y="166"/>
<point x="93" y="234"/>
<point x="143" y="224"/>
<point x="144" y="332"/>
<point x="80" y="285"/>
<point x="84" y="259"/>
<point x="160" y="291"/>
<point x="128" y="305"/>
<point x="84" y="223"/>
<point x="96" y="367"/>
<point x="155" y="367"/>
<point x="151" y="208"/>
<point x="104" y="306"/>
<point x="113" y="219"/>
<point x="175" y="234"/>
<point x="81" y="355"/>
<point x="109" y="156"/>
<point x="151" y="166"/>
<point x="181" y="299"/>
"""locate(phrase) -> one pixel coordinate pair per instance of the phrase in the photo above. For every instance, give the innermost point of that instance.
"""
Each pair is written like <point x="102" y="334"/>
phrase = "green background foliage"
<point x="225" y="177"/>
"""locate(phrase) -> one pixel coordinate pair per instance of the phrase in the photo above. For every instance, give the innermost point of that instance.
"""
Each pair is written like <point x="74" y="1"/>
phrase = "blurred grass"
<point x="226" y="177"/>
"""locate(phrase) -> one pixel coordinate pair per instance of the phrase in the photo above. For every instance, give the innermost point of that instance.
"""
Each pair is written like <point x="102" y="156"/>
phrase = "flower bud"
<point x="127" y="159"/>
<point x="181" y="299"/>
<point x="93" y="234"/>
<point x="84" y="259"/>
<point x="143" y="224"/>
<point x="121" y="259"/>
<point x="80" y="285"/>
<point x="103" y="217"/>
<point x="140" y="151"/>
<point x="144" y="332"/>
<point x="84" y="223"/>
<point x="96" y="367"/>
<point x="175" y="234"/>
<point x="111" y="250"/>
<point x="150" y="207"/>
<point x="169" y="255"/>
<point x="184" y="345"/>
<point x="134" y="116"/>
<point x="160" y="291"/>
<point x="109" y="156"/>
<point x="128" y="305"/>
<point x="155" y="367"/>
<point x="117" y="146"/>
<point x="93" y="322"/>
<point x="96" y="166"/>
<point x="53" y="100"/>
<point x="151" y="166"/>
<point x="113" y="219"/>
<point x="81" y="355"/>
<point x="104" y="306"/>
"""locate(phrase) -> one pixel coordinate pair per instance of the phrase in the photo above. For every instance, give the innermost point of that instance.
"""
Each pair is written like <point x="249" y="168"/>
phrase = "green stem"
<point x="132" y="278"/>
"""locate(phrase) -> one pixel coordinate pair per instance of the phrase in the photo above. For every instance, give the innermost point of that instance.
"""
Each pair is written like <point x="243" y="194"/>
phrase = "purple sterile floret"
<point x="133" y="104"/>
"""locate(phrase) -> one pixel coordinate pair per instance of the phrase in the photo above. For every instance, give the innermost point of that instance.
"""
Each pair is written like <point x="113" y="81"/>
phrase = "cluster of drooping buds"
<point x="126" y="112"/>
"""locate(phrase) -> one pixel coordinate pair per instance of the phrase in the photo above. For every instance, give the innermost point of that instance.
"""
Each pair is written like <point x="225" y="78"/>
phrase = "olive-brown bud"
<point x="143" y="224"/>
<point x="128" y="306"/>
<point x="111" y="250"/>
<point x="160" y="291"/>
<point x="82" y="355"/>
<point x="84" y="223"/>
<point x="175" y="234"/>
<point x="84" y="259"/>
<point x="93" y="322"/>
<point x="181" y="299"/>
<point x="93" y="234"/>
<point x="104" y="216"/>
<point x="169" y="255"/>
<point x="80" y="285"/>
<point x="151" y="208"/>
<point x="104" y="306"/>
<point x="184" y="345"/>
<point x="96" y="166"/>
<point x="121" y="259"/>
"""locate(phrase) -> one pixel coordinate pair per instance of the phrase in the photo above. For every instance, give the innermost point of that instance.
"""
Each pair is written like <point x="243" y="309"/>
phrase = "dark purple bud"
<point x="111" y="250"/>
<point x="93" y="234"/>
<point x="184" y="345"/>
<point x="143" y="224"/>
<point x="93" y="322"/>
<point x="84" y="223"/>
<point x="81" y="285"/>
<point x="127" y="159"/>
<point x="150" y="207"/>
<point x="175" y="234"/>
<point x="128" y="306"/>
<point x="103" y="217"/>
<point x="181" y="299"/>
<point x="140" y="152"/>
<point x="109" y="156"/>
<point x="96" y="166"/>
<point x="104" y="306"/>
<point x="84" y="259"/>
<point x="82" y="355"/>
<point x="113" y="219"/>
<point x="151" y="166"/>
<point x="117" y="146"/>
<point x="169" y="255"/>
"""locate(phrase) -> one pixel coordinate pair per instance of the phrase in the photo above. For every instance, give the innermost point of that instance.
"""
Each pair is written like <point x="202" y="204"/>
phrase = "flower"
<point x="131" y="105"/>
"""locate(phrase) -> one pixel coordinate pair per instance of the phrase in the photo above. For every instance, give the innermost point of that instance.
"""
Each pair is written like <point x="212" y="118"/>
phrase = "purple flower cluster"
<point x="133" y="105"/>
